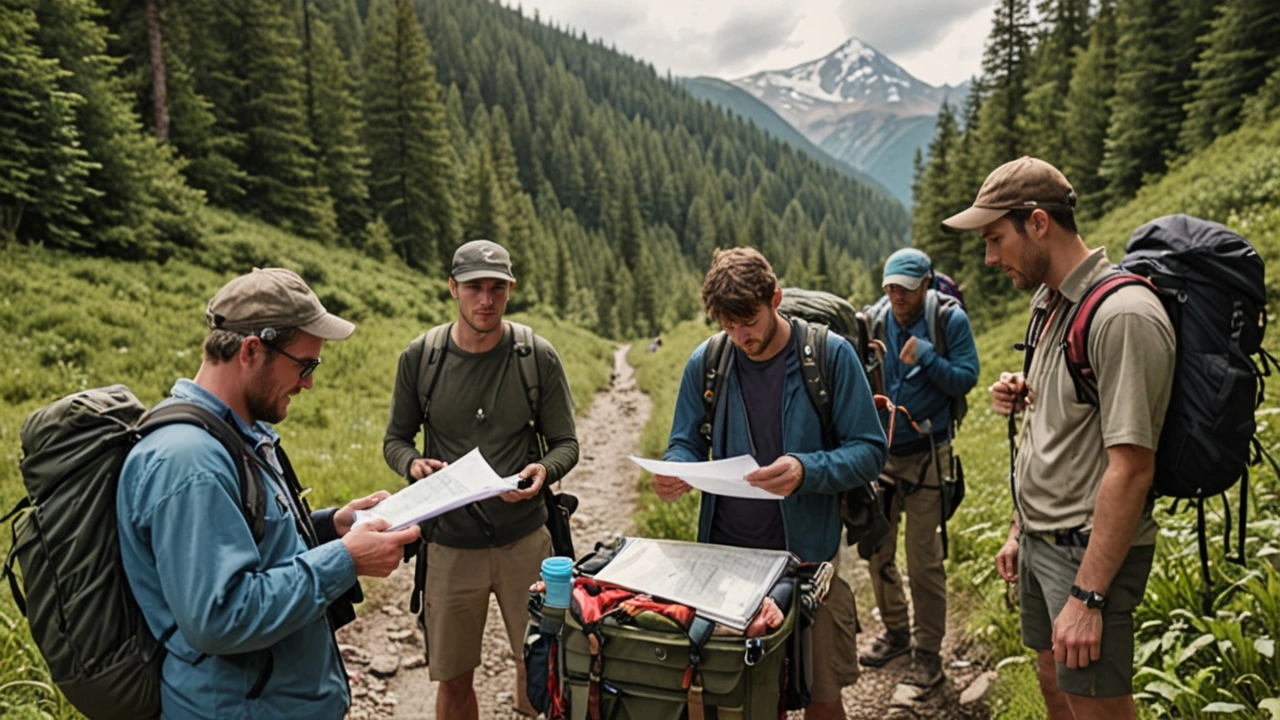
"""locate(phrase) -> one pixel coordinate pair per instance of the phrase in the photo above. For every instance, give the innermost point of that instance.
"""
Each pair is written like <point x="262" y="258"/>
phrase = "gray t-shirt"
<point x="745" y="522"/>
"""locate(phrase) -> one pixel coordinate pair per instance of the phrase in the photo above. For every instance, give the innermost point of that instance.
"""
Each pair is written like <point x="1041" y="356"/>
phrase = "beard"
<point x="264" y="400"/>
<point x="1035" y="263"/>
<point x="755" y="348"/>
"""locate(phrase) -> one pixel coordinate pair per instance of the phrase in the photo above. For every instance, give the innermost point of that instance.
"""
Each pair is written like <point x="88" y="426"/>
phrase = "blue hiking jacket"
<point x="811" y="514"/>
<point x="192" y="562"/>
<point x="926" y="388"/>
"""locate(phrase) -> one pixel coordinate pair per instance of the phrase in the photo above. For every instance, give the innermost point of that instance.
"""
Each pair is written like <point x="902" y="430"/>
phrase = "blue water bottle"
<point x="557" y="573"/>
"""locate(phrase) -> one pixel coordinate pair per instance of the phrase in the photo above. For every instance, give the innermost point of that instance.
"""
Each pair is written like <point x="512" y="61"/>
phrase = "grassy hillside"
<point x="1189" y="666"/>
<point x="73" y="322"/>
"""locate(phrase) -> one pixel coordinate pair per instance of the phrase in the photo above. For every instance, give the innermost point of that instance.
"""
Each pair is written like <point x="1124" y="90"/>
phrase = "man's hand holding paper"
<point x="468" y="480"/>
<point x="720" y="477"/>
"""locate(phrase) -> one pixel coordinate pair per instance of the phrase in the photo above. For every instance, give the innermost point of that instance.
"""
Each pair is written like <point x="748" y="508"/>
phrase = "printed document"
<point x="719" y="477"/>
<point x="722" y="583"/>
<point x="462" y="482"/>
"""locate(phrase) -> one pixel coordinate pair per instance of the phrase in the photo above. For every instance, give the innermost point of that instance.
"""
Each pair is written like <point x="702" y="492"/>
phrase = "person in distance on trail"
<point x="1082" y="538"/>
<point x="767" y="413"/>
<point x="464" y="386"/>
<point x="248" y="625"/>
<point x="923" y="382"/>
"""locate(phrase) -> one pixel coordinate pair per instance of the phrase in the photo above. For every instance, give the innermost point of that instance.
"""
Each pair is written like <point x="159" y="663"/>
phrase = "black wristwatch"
<point x="1093" y="599"/>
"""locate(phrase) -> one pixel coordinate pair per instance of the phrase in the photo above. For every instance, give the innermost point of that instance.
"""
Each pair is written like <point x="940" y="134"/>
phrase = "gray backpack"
<point x="77" y="600"/>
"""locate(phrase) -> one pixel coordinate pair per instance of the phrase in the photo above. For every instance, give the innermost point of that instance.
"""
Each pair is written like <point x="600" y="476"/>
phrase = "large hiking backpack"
<point x="1210" y="281"/>
<point x="862" y="510"/>
<point x="77" y="600"/>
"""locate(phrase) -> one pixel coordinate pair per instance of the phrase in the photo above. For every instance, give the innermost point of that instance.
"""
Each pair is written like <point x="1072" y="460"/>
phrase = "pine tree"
<point x="1004" y="71"/>
<point x="1237" y="59"/>
<point x="43" y="168"/>
<point x="336" y="130"/>
<point x="1063" y="29"/>
<point x="1144" y="118"/>
<point x="413" y="182"/>
<point x="1087" y="104"/>
<point x="136" y="201"/>
<point x="934" y="198"/>
<point x="269" y="111"/>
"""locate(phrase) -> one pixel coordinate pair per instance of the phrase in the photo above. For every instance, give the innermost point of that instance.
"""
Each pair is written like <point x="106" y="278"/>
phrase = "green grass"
<point x="74" y="322"/>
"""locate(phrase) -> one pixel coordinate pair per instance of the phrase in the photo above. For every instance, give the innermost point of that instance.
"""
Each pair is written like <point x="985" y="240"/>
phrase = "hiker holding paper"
<point x="245" y="596"/>
<point x="762" y="409"/>
<point x="1082" y="538"/>
<point x="480" y="381"/>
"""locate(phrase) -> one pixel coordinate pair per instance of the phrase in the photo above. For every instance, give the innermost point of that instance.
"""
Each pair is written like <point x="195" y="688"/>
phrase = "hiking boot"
<point x="926" y="671"/>
<point x="887" y="646"/>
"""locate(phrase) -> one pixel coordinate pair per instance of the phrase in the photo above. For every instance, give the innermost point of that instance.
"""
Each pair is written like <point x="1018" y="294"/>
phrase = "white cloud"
<point x="936" y="40"/>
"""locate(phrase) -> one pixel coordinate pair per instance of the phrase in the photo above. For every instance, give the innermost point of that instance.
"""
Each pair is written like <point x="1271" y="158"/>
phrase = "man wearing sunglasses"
<point x="246" y="614"/>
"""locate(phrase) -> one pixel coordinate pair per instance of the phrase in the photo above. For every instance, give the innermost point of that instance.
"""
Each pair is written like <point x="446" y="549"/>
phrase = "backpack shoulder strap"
<point x="715" y="363"/>
<point x="814" y="370"/>
<point x="527" y="363"/>
<point x="253" y="498"/>
<point x="938" y="308"/>
<point x="1080" y="323"/>
<point x="435" y="344"/>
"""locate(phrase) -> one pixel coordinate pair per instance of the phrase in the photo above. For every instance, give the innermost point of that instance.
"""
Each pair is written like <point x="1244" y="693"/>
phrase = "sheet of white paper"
<point x="719" y="477"/>
<point x="465" y="481"/>
<point x="722" y="583"/>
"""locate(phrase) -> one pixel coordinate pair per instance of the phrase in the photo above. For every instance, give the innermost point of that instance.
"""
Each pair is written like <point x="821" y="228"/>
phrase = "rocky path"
<point x="384" y="646"/>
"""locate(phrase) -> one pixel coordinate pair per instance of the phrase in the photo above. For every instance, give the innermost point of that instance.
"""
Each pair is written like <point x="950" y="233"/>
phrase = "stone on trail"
<point x="978" y="688"/>
<point x="384" y="665"/>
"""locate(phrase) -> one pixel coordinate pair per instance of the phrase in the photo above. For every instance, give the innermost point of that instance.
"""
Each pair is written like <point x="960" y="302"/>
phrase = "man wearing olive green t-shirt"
<point x="473" y="394"/>
<point x="1082" y="539"/>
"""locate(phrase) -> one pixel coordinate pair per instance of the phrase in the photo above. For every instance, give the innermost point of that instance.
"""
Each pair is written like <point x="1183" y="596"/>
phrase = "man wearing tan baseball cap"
<point x="247" y="594"/>
<point x="1082" y="539"/>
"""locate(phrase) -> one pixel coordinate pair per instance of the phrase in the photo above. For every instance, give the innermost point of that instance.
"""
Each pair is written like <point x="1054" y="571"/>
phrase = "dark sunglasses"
<point x="308" y="366"/>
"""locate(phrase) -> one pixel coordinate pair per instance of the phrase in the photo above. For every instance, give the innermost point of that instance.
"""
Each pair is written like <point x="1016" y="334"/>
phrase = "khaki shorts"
<point x="1046" y="573"/>
<point x="459" y="582"/>
<point x="834" y="638"/>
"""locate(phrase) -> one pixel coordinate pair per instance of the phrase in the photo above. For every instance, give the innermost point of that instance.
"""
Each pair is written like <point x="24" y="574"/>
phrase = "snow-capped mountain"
<point x="860" y="107"/>
<point x="852" y="77"/>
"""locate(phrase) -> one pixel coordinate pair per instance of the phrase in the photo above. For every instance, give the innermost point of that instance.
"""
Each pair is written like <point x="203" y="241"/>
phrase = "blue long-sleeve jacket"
<point x="811" y="514"/>
<point x="192" y="563"/>
<point x="926" y="389"/>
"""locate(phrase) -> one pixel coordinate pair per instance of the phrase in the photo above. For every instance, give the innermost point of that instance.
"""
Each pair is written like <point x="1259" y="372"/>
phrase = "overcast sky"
<point x="938" y="41"/>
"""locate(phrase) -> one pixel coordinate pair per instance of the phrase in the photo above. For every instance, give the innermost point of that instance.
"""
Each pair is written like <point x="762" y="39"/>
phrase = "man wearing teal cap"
<point x="930" y="363"/>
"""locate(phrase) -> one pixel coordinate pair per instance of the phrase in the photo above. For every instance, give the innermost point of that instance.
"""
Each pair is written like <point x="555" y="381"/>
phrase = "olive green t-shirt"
<point x="1062" y="449"/>
<point x="480" y="401"/>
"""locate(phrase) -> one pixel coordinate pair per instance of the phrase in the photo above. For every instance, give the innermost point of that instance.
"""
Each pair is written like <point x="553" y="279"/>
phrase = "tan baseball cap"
<point x="481" y="259"/>
<point x="273" y="298"/>
<point x="1023" y="184"/>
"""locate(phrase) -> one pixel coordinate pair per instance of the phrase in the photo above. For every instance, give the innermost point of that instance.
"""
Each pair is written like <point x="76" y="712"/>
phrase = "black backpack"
<point x="1210" y="281"/>
<point x="77" y="600"/>
<point x="862" y="509"/>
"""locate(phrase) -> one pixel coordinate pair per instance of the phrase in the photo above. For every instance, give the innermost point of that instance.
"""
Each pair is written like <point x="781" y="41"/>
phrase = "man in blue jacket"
<point x="247" y="625"/>
<point x="922" y="383"/>
<point x="765" y="412"/>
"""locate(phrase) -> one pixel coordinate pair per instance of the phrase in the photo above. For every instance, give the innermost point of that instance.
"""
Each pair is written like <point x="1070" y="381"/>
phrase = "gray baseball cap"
<point x="273" y="298"/>
<point x="481" y="259"/>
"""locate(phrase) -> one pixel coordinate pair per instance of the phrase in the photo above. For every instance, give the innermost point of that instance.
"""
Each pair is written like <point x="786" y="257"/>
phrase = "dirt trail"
<point x="384" y="646"/>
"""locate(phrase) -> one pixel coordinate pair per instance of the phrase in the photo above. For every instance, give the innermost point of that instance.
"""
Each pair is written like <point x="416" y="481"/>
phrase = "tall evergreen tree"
<point x="934" y="194"/>
<point x="1087" y="105"/>
<point x="137" y="201"/>
<point x="1144" y="116"/>
<point x="1237" y="59"/>
<point x="1004" y="73"/>
<point x="413" y="183"/>
<point x="336" y="130"/>
<point x="1063" y="28"/>
<point x="43" y="168"/>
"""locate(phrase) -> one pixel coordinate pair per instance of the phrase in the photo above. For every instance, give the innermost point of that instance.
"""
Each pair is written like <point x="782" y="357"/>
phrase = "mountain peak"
<point x="853" y="74"/>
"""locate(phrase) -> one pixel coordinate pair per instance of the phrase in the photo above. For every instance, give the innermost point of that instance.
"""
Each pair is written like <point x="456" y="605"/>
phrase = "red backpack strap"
<point x="1076" y="344"/>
